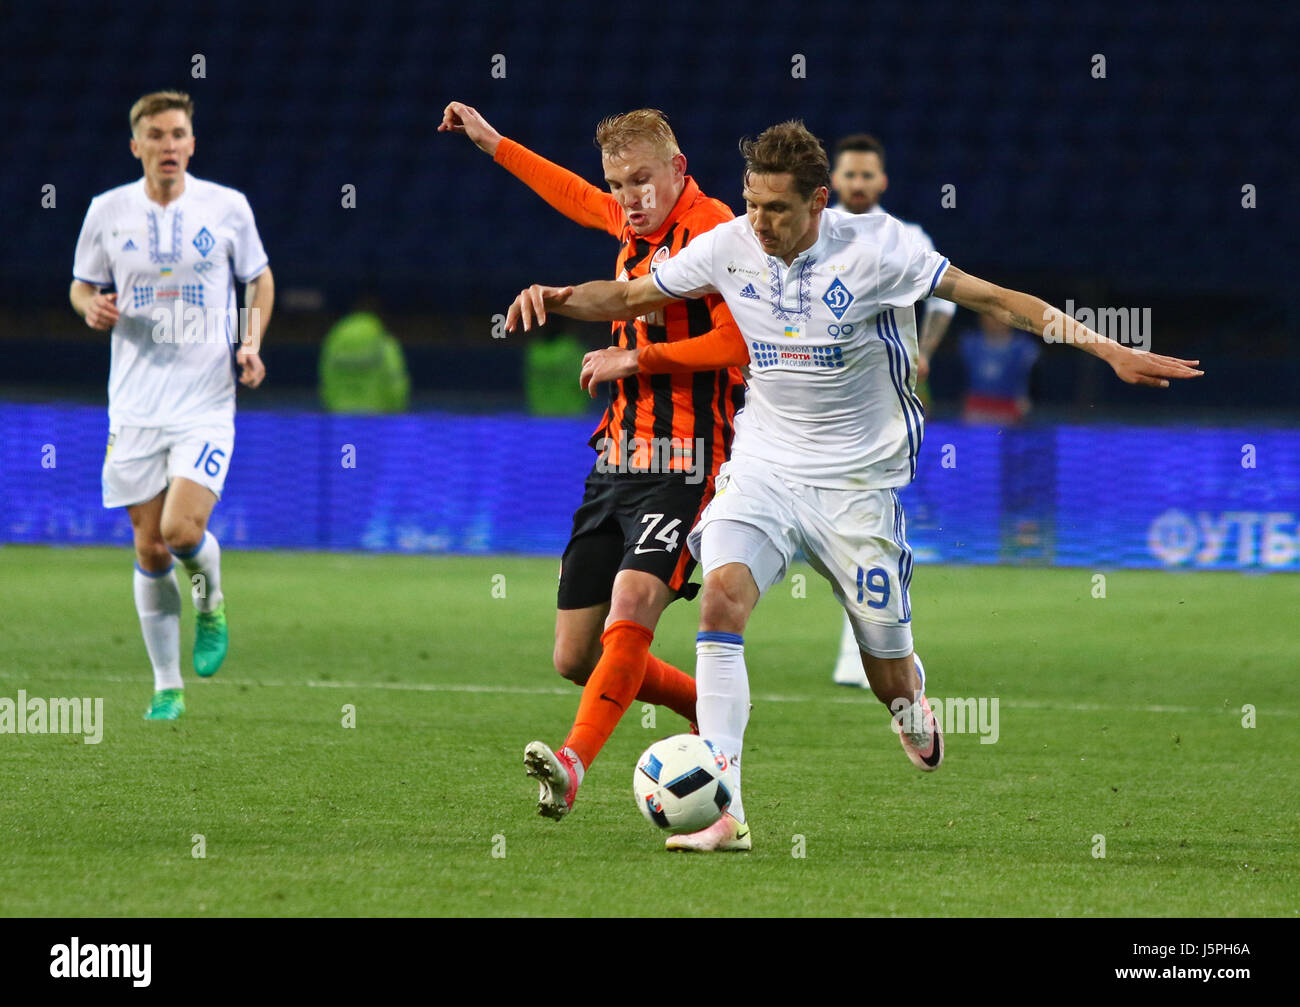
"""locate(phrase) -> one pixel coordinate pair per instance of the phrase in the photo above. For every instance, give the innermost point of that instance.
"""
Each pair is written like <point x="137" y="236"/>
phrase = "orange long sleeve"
<point x="571" y="194"/>
<point x="722" y="346"/>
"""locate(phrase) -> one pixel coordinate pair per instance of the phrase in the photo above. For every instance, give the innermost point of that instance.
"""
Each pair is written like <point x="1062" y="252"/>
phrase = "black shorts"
<point x="631" y="522"/>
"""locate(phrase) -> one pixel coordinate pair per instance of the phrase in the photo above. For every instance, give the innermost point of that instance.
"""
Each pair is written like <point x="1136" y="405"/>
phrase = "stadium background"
<point x="1123" y="192"/>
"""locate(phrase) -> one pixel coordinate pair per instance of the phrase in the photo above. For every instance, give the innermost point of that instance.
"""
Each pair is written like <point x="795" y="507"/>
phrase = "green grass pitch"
<point x="1119" y="717"/>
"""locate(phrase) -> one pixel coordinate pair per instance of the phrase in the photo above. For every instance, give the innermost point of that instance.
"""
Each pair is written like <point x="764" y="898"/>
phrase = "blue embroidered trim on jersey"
<point x="893" y="352"/>
<point x="155" y="252"/>
<point x="141" y="296"/>
<point x="192" y="293"/>
<point x="804" y="311"/>
<point x="904" y="559"/>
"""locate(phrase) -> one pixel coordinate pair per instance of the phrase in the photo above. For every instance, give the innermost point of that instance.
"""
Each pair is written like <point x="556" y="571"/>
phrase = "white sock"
<point x="204" y="566"/>
<point x="848" y="666"/>
<point x="158" y="602"/>
<point x="722" y="701"/>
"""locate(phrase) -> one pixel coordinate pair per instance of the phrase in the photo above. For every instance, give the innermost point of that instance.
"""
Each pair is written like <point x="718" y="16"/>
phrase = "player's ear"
<point x="679" y="165"/>
<point x="884" y="181"/>
<point x="819" y="199"/>
<point x="135" y="149"/>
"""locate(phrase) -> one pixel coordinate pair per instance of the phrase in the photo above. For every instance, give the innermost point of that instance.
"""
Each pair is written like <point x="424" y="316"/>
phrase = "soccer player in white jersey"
<point x="858" y="180"/>
<point x="172" y="246"/>
<point x="830" y="428"/>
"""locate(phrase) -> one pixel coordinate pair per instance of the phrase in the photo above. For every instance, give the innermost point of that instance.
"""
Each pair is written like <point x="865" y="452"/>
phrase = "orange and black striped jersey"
<point x="654" y="421"/>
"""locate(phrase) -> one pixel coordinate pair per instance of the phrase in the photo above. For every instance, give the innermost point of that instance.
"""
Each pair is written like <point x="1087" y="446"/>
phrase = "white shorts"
<point x="856" y="539"/>
<point x="141" y="462"/>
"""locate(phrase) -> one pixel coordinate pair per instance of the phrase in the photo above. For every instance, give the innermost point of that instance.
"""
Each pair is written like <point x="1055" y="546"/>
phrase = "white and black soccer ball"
<point x="682" y="783"/>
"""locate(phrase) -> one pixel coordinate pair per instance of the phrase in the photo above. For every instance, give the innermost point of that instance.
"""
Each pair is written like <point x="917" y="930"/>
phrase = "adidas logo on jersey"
<point x="129" y="246"/>
<point x="749" y="292"/>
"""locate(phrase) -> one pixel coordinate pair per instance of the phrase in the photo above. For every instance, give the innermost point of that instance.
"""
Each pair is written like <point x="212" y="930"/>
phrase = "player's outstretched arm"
<point x="99" y="310"/>
<point x="1025" y="311"/>
<point x="570" y="194"/>
<point x="597" y="301"/>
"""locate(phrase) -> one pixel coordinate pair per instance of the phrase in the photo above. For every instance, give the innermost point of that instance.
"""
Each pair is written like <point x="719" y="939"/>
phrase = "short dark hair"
<point x="863" y="143"/>
<point x="788" y="149"/>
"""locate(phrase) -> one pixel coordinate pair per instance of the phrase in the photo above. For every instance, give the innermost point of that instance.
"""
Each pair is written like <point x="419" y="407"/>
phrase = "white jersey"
<point x="174" y="268"/>
<point x="832" y="344"/>
<point x="936" y="304"/>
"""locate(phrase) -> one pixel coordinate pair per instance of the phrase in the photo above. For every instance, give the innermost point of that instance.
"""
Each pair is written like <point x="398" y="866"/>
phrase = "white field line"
<point x="841" y="694"/>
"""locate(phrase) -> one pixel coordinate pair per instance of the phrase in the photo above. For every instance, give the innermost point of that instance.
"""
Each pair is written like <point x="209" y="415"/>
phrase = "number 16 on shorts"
<point x="210" y="458"/>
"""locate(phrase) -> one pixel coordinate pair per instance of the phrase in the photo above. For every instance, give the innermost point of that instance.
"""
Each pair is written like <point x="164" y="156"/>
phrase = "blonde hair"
<point x="618" y="132"/>
<point x="161" y="101"/>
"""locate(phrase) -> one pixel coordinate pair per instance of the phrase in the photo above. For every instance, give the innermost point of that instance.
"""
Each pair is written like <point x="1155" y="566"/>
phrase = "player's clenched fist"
<point x="458" y="117"/>
<point x="609" y="364"/>
<point x="102" y="312"/>
<point x="531" y="304"/>
<point x="251" y="368"/>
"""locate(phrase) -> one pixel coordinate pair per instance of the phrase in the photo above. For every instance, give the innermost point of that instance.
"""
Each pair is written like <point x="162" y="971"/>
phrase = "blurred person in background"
<point x="172" y="246"/>
<point x="998" y="360"/>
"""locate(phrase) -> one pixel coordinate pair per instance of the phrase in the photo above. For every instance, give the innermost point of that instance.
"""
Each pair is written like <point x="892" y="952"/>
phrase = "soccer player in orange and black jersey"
<point x="659" y="443"/>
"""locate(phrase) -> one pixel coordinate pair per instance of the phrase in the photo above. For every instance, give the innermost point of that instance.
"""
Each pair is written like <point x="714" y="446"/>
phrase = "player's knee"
<point x="182" y="534"/>
<point x="572" y="665"/>
<point x="637" y="602"/>
<point x="722" y="606"/>
<point x="152" y="554"/>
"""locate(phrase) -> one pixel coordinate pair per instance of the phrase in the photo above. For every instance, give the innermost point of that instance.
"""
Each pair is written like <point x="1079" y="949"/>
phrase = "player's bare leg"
<point x="899" y="683"/>
<point x="185" y="530"/>
<point x="158" y="604"/>
<point x="577" y="641"/>
<point x="729" y="597"/>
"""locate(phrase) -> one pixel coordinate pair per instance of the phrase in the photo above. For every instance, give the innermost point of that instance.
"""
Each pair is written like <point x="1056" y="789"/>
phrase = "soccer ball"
<point x="682" y="784"/>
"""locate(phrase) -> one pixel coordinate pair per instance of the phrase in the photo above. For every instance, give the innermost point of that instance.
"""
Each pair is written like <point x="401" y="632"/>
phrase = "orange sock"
<point x="667" y="686"/>
<point x="612" y="687"/>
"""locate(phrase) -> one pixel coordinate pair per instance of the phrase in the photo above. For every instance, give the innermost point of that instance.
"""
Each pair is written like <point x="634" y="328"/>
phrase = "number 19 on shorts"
<point x="873" y="582"/>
